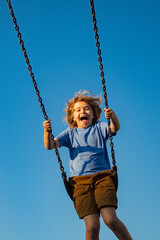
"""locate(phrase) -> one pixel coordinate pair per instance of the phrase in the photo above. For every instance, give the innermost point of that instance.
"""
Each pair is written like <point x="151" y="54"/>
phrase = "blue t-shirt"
<point x="87" y="148"/>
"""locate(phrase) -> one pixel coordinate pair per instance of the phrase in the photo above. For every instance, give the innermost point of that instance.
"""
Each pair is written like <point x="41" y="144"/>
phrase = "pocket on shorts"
<point x="107" y="182"/>
<point x="79" y="191"/>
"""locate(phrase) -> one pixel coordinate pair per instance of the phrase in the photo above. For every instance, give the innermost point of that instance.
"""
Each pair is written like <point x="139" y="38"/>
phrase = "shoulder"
<point x="101" y="125"/>
<point x="64" y="137"/>
<point x="69" y="132"/>
<point x="64" y="133"/>
<point x="102" y="128"/>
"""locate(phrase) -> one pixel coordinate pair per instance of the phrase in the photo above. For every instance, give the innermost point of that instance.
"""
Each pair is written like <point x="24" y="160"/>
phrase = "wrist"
<point x="47" y="131"/>
<point x="113" y="116"/>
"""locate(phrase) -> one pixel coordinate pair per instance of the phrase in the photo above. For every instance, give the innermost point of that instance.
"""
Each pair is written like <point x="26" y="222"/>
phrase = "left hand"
<point x="108" y="113"/>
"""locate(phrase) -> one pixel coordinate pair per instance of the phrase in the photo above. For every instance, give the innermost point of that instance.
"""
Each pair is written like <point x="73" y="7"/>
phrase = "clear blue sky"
<point x="60" y="43"/>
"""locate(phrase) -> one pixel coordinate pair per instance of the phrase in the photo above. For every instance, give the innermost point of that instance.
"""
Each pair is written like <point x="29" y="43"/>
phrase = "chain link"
<point x="63" y="173"/>
<point x="114" y="167"/>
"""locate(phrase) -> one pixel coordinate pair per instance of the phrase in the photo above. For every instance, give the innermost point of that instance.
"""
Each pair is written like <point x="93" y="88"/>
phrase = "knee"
<point x="92" y="229"/>
<point x="111" y="222"/>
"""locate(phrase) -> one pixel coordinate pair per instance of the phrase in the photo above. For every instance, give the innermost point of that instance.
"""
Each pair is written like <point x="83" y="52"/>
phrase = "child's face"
<point x="83" y="114"/>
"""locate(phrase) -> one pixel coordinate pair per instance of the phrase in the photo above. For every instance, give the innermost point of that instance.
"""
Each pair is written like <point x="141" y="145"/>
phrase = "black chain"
<point x="63" y="173"/>
<point x="103" y="80"/>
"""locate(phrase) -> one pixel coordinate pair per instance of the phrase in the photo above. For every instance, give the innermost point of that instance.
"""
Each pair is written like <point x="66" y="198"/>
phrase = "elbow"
<point x="118" y="127"/>
<point x="48" y="147"/>
<point x="115" y="129"/>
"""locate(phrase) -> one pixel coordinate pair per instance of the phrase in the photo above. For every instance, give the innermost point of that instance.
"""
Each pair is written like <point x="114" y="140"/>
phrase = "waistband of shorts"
<point x="91" y="177"/>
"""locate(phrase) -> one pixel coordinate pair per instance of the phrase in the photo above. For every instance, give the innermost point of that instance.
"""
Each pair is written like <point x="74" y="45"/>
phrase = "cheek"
<point x="74" y="116"/>
<point x="91" y="114"/>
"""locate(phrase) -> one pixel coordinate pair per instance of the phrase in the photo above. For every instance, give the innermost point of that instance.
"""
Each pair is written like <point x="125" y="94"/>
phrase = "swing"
<point x="63" y="173"/>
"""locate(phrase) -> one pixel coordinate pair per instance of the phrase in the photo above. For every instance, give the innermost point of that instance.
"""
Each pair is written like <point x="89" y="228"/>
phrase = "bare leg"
<point x="111" y="220"/>
<point x="92" y="226"/>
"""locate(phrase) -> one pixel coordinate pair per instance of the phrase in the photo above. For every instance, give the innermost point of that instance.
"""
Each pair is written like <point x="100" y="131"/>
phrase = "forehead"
<point x="81" y="104"/>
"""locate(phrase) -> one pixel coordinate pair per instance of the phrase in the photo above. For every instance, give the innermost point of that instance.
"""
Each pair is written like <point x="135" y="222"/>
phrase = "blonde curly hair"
<point x="87" y="97"/>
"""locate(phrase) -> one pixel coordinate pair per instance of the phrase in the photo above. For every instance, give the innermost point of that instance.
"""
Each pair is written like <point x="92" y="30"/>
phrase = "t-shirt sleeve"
<point x="64" y="139"/>
<point x="105" y="130"/>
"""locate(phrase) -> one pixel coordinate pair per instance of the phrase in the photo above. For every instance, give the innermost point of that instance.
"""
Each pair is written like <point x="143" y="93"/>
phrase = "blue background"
<point x="60" y="43"/>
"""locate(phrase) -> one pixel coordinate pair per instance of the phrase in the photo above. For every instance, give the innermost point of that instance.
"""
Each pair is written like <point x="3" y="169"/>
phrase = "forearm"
<point x="115" y="124"/>
<point x="48" y="143"/>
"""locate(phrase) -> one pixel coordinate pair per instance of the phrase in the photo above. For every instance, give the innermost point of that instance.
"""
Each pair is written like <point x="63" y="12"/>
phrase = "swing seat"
<point x="68" y="187"/>
<point x="115" y="178"/>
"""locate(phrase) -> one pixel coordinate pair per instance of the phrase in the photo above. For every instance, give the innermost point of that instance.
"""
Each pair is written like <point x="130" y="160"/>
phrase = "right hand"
<point x="47" y="125"/>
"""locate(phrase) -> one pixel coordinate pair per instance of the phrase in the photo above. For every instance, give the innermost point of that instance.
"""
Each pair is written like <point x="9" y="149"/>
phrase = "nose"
<point x="82" y="110"/>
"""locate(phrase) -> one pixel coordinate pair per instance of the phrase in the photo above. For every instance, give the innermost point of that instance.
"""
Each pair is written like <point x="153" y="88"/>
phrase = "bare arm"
<point x="115" y="124"/>
<point x="48" y="143"/>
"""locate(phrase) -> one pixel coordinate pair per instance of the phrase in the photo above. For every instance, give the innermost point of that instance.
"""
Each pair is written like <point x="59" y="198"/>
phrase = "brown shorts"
<point x="92" y="192"/>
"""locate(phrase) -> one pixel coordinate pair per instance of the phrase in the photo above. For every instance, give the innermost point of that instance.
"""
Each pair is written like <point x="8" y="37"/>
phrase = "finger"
<point x="108" y="114"/>
<point x="48" y="120"/>
<point x="107" y="110"/>
<point x="47" y="124"/>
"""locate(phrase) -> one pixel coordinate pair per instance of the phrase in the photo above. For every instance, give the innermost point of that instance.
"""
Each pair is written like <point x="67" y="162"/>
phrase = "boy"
<point x="91" y="174"/>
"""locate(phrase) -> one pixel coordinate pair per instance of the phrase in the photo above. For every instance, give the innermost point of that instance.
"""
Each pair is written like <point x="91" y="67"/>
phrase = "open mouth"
<point x="84" y="118"/>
